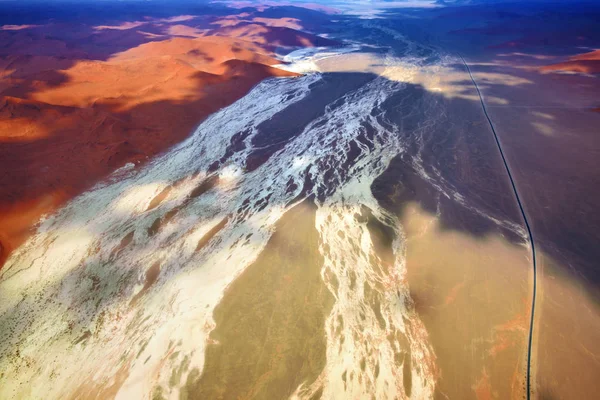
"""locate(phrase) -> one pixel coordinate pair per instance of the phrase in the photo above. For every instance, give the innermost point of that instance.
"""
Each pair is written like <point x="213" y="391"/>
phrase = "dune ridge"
<point x="586" y="63"/>
<point x="78" y="101"/>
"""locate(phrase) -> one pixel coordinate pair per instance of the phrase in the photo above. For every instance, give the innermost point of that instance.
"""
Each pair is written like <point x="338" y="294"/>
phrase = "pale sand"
<point x="473" y="295"/>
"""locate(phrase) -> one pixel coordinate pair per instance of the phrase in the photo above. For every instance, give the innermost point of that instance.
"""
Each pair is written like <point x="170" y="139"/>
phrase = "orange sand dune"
<point x="170" y="70"/>
<point x="583" y="66"/>
<point x="208" y="50"/>
<point x="68" y="122"/>
<point x="587" y="63"/>
<point x="592" y="55"/>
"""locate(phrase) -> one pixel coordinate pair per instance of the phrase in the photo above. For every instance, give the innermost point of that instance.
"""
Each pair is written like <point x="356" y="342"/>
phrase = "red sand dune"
<point x="73" y="112"/>
<point x="587" y="63"/>
<point x="592" y="55"/>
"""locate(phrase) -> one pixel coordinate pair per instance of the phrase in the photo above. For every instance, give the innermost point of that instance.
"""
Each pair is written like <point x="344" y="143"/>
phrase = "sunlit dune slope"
<point x="587" y="63"/>
<point x="66" y="123"/>
<point x="174" y="70"/>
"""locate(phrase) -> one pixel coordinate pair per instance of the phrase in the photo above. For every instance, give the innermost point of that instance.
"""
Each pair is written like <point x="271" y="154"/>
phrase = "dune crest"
<point x="79" y="101"/>
<point x="586" y="63"/>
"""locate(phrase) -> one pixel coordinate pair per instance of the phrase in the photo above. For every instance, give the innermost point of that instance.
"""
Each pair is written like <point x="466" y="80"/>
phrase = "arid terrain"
<point x="79" y="101"/>
<point x="304" y="200"/>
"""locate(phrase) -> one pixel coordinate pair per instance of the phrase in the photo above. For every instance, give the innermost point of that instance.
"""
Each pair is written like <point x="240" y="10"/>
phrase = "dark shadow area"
<point x="547" y="127"/>
<point x="557" y="172"/>
<point x="554" y="152"/>
<point x="480" y="30"/>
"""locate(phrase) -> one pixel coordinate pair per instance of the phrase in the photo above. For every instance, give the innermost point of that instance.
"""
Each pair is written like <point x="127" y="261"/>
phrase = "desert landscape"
<point x="305" y="200"/>
<point x="80" y="101"/>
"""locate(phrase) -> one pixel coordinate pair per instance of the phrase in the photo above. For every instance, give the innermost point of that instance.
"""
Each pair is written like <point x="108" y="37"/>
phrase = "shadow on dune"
<point x="80" y="146"/>
<point x="60" y="147"/>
